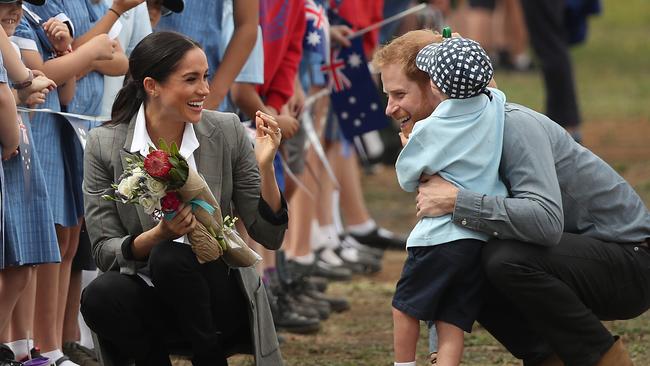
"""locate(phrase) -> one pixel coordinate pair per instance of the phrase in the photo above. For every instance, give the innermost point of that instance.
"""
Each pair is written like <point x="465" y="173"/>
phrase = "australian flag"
<point x="354" y="96"/>
<point x="316" y="39"/>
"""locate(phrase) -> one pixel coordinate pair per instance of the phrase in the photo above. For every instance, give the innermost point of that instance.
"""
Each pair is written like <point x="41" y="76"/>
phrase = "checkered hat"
<point x="458" y="66"/>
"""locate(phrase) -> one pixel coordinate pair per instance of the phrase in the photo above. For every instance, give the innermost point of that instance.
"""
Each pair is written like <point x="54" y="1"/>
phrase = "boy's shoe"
<point x="79" y="354"/>
<point x="433" y="358"/>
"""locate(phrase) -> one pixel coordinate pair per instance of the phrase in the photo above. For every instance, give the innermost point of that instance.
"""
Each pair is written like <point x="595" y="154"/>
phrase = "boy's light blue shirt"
<point x="462" y="141"/>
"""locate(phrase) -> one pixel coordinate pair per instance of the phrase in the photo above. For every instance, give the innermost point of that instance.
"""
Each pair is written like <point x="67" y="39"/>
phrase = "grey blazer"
<point x="226" y="160"/>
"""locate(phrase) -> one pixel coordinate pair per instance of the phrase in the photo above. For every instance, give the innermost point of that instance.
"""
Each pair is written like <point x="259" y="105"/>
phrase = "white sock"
<point x="329" y="236"/>
<point x="328" y="256"/>
<point x="412" y="363"/>
<point x="314" y="236"/>
<point x="363" y="228"/>
<point x="305" y="259"/>
<point x="20" y="347"/>
<point x="55" y="355"/>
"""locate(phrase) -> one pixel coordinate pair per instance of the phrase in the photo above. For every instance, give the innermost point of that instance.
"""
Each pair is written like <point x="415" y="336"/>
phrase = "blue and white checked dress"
<point x="83" y="14"/>
<point x="56" y="145"/>
<point x="29" y="235"/>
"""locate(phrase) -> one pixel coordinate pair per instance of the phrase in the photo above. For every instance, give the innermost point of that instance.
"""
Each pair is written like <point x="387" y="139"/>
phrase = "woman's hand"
<point x="183" y="223"/>
<point x="267" y="139"/>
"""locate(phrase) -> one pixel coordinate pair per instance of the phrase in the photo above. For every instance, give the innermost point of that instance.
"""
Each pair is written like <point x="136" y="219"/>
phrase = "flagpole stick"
<point x="312" y="137"/>
<point x="391" y="19"/>
<point x="314" y="97"/>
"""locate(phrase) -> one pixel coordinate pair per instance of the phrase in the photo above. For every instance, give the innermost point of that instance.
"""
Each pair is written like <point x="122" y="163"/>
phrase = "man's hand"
<point x="436" y="197"/>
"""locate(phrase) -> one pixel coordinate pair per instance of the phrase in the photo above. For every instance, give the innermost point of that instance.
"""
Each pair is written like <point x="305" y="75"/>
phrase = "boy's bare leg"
<point x="450" y="344"/>
<point x="406" y="331"/>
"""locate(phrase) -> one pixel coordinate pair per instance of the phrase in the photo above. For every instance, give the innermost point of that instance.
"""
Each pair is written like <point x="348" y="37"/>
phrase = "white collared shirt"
<point x="142" y="141"/>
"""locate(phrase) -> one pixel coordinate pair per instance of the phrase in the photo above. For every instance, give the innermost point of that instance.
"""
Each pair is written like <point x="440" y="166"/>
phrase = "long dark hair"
<point x="156" y="56"/>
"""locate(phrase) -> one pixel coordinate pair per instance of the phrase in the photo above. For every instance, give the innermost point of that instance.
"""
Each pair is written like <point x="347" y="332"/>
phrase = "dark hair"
<point x="156" y="56"/>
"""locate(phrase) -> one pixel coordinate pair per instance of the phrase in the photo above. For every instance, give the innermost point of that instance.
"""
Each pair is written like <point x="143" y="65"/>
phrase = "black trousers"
<point x="542" y="300"/>
<point x="547" y="34"/>
<point x="202" y="302"/>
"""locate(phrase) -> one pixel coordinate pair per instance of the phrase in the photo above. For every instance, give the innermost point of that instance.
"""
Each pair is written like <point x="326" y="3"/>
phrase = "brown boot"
<point x="616" y="355"/>
<point x="552" y="360"/>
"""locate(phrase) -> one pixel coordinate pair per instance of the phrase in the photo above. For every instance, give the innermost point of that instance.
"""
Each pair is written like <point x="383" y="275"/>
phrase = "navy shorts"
<point x="442" y="282"/>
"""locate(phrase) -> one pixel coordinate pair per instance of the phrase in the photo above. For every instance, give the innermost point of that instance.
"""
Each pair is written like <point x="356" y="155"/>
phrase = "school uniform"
<point x="28" y="236"/>
<point x="54" y="140"/>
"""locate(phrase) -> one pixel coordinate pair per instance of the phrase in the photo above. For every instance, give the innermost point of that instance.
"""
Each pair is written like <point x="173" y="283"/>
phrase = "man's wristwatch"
<point x="25" y="83"/>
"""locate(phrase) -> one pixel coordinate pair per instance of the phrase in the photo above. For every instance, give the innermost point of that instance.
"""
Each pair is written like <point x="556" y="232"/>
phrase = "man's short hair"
<point x="403" y="51"/>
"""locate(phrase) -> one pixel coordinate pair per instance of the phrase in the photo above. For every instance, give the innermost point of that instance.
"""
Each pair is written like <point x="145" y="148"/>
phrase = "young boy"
<point x="462" y="141"/>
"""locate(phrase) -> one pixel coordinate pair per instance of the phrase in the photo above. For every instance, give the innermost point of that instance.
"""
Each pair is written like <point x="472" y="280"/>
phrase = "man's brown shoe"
<point x="616" y="355"/>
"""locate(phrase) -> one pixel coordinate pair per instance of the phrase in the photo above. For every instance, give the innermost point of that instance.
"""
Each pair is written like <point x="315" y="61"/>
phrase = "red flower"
<point x="157" y="164"/>
<point x="171" y="202"/>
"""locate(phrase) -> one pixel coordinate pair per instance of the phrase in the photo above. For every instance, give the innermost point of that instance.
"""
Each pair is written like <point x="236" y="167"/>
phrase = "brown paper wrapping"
<point x="205" y="247"/>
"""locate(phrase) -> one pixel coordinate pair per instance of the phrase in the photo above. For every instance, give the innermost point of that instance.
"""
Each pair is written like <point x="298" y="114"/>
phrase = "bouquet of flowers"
<point x="161" y="182"/>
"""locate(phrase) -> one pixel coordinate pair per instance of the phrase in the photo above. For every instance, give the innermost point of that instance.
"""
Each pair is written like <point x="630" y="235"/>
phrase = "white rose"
<point x="128" y="186"/>
<point x="149" y="204"/>
<point x="156" y="189"/>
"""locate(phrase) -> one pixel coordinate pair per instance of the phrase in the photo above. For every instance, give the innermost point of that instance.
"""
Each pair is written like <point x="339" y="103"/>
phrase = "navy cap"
<point x="459" y="67"/>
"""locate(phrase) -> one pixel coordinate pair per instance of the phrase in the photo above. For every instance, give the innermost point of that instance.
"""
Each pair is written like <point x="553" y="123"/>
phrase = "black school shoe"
<point x="381" y="238"/>
<point x="7" y="356"/>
